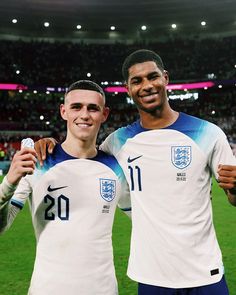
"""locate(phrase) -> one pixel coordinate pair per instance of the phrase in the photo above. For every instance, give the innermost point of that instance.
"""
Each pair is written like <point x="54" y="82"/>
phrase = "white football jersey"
<point x="73" y="202"/>
<point x="169" y="172"/>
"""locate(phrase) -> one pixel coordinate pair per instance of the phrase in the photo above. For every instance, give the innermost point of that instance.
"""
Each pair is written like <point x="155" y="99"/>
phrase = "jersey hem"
<point x="175" y="286"/>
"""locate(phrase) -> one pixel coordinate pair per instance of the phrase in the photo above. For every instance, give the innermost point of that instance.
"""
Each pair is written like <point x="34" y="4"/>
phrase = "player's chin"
<point x="150" y="108"/>
<point x="86" y="135"/>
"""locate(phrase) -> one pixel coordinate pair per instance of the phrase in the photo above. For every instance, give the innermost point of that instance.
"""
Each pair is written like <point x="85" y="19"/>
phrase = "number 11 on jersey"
<point x="135" y="178"/>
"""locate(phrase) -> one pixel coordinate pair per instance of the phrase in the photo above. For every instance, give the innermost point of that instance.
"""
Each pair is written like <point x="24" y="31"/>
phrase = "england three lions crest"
<point x="107" y="189"/>
<point x="181" y="156"/>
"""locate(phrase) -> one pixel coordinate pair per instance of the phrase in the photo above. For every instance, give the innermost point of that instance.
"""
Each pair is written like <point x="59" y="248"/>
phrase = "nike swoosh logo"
<point x="133" y="159"/>
<point x="50" y="189"/>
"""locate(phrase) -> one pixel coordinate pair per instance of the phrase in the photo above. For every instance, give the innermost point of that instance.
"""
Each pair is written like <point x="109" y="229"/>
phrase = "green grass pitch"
<point x="17" y="248"/>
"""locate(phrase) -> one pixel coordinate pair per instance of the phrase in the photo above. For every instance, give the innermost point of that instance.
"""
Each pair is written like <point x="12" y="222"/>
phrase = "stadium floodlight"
<point x="17" y="72"/>
<point x="173" y="26"/>
<point x="112" y="28"/>
<point x="79" y="27"/>
<point x="14" y="21"/>
<point x="46" y="24"/>
<point x="143" y="28"/>
<point x="89" y="75"/>
<point x="41" y="117"/>
<point x="203" y="23"/>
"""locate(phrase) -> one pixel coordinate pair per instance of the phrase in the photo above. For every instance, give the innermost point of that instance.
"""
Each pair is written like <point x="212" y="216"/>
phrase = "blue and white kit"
<point x="169" y="172"/>
<point x="72" y="203"/>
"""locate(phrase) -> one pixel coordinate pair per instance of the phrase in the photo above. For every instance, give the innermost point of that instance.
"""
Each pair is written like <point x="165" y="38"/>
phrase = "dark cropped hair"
<point x="140" y="56"/>
<point x="85" y="85"/>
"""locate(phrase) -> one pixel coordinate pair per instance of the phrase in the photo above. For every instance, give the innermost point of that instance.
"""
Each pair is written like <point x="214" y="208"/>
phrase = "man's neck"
<point x="159" y="119"/>
<point x="80" y="149"/>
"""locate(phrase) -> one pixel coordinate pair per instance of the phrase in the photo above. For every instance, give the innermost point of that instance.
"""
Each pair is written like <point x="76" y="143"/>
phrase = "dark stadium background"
<point x="45" y="60"/>
<point x="37" y="63"/>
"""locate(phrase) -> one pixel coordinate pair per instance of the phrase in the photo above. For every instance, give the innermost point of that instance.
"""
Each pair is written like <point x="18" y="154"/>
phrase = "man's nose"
<point x="84" y="113"/>
<point x="147" y="85"/>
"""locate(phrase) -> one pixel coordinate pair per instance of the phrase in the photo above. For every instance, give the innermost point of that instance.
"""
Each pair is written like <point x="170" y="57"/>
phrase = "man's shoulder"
<point x="127" y="131"/>
<point x="58" y="155"/>
<point x="193" y="121"/>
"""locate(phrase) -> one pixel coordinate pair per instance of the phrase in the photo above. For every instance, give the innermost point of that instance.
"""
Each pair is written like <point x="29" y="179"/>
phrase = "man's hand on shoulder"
<point x="42" y="146"/>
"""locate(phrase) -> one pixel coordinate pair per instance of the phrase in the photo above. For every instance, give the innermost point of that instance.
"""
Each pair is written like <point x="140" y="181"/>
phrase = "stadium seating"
<point x="58" y="64"/>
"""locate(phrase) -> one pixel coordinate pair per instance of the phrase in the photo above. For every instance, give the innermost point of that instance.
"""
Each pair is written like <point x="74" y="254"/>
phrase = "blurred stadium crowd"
<point x="56" y="64"/>
<point x="59" y="63"/>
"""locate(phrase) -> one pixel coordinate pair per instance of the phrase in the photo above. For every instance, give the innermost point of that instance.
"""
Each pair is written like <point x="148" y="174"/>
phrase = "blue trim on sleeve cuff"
<point x="126" y="209"/>
<point x="17" y="204"/>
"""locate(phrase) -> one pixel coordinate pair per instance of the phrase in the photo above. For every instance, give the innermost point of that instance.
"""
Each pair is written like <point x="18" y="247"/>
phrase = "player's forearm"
<point x="8" y="212"/>
<point x="6" y="216"/>
<point x="6" y="191"/>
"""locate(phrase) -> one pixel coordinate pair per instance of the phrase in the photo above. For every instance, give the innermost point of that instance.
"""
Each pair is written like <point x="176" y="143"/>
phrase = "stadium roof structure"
<point x="127" y="16"/>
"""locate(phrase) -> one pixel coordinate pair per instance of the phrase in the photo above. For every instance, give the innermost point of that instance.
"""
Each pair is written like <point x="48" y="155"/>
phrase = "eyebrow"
<point x="148" y="75"/>
<point x="90" y="105"/>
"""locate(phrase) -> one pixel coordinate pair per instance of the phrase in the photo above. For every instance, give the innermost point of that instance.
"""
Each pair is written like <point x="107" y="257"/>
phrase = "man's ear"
<point x="166" y="75"/>
<point x="127" y="88"/>
<point x="106" y="112"/>
<point x="63" y="112"/>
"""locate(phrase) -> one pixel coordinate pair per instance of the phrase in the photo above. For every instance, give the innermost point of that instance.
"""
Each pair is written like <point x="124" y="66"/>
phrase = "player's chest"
<point x="153" y="158"/>
<point x="65" y="190"/>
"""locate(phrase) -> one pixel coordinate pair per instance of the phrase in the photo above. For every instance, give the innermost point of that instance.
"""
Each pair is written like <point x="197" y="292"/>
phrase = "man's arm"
<point x="124" y="202"/>
<point x="23" y="163"/>
<point x="227" y="181"/>
<point x="42" y="146"/>
<point x="8" y="211"/>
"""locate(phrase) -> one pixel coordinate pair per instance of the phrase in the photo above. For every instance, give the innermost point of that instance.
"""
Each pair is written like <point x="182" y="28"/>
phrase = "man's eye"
<point x="153" y="77"/>
<point x="156" y="76"/>
<point x="93" y="109"/>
